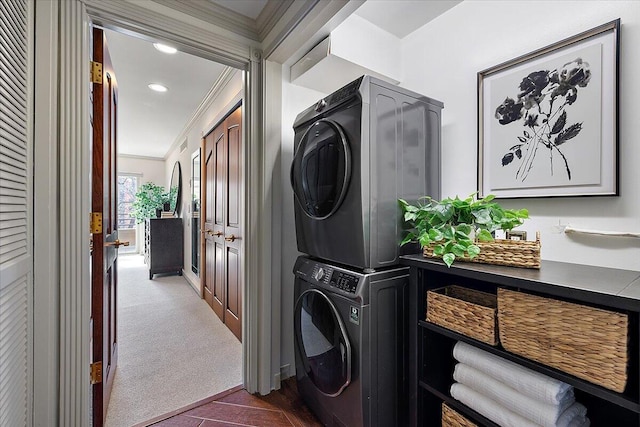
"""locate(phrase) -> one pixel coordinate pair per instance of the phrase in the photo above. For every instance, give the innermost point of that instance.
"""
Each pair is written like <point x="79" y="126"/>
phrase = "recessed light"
<point x="164" y="48"/>
<point x="158" y="87"/>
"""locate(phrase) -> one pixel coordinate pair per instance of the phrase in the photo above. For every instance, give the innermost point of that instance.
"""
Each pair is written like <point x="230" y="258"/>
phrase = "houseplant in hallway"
<point x="149" y="199"/>
<point x="462" y="228"/>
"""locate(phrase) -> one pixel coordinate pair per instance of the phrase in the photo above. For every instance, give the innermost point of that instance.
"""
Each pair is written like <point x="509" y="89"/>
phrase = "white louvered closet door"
<point x="16" y="265"/>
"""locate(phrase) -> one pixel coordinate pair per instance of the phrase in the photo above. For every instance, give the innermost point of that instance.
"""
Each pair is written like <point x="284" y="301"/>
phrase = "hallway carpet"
<point x="172" y="348"/>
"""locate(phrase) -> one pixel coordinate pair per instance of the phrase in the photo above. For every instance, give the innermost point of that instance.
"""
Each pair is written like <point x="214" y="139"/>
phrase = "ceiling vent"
<point x="184" y="145"/>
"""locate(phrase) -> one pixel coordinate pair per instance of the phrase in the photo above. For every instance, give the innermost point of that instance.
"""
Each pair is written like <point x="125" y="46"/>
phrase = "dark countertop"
<point x="620" y="288"/>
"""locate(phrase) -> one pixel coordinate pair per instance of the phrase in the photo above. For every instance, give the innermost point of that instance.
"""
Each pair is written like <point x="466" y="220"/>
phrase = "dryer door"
<point x="322" y="342"/>
<point x="321" y="169"/>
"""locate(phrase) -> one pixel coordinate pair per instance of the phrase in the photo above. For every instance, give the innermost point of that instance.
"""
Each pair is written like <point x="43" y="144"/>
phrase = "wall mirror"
<point x="175" y="190"/>
<point x="195" y="211"/>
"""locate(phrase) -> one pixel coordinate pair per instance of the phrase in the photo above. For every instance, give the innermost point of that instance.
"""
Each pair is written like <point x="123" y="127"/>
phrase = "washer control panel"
<point x="322" y="274"/>
<point x="344" y="281"/>
<point x="329" y="276"/>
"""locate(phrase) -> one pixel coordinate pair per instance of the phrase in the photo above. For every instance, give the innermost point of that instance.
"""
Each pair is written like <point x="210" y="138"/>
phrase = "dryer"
<point x="356" y="152"/>
<point x="351" y="344"/>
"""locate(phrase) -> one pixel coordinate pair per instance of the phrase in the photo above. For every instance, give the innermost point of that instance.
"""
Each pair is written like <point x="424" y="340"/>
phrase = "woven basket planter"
<point x="466" y="311"/>
<point x="586" y="342"/>
<point x="512" y="253"/>
<point x="451" y="418"/>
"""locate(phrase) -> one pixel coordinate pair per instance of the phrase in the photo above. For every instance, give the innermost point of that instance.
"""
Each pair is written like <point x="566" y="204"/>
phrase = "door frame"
<point x="61" y="164"/>
<point x="247" y="58"/>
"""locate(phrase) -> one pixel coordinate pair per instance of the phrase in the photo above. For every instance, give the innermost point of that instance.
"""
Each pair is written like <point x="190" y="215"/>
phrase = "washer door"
<point x="321" y="169"/>
<point x="322" y="342"/>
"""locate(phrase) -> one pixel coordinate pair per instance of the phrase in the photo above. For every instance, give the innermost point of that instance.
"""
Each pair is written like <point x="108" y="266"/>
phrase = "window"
<point x="127" y="189"/>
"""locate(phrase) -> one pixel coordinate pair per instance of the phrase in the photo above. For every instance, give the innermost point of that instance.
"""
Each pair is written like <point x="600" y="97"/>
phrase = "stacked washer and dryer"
<point x="357" y="152"/>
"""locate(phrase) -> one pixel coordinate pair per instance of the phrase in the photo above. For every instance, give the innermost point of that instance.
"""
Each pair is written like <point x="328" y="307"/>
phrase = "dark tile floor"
<point x="236" y="407"/>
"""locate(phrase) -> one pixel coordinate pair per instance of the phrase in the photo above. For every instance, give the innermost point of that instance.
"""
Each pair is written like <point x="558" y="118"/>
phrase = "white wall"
<point x="442" y="59"/>
<point x="150" y="169"/>
<point x="218" y="107"/>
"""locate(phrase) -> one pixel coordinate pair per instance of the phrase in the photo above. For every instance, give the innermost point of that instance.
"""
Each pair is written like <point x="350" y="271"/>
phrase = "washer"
<point x="356" y="152"/>
<point x="350" y="343"/>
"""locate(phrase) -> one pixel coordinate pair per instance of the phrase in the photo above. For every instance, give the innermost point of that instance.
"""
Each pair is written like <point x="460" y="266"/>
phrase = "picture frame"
<point x="548" y="120"/>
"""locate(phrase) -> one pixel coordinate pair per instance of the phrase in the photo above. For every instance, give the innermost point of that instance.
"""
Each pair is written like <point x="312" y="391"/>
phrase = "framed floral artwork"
<point x="548" y="120"/>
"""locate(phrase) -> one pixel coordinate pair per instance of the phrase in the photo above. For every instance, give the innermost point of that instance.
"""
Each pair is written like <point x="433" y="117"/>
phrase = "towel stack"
<point x="511" y="395"/>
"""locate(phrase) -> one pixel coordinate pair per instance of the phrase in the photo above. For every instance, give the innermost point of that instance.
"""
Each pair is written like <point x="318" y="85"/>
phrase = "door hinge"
<point x="96" y="373"/>
<point x="95" y="223"/>
<point x="96" y="72"/>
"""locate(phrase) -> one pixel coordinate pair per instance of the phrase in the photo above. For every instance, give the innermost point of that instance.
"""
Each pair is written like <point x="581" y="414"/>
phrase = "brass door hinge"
<point x="96" y="72"/>
<point x="96" y="373"/>
<point x="95" y="222"/>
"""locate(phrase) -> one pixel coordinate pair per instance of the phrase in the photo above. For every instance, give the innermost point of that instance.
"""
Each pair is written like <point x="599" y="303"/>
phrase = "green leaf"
<point x="410" y="216"/>
<point x="424" y="239"/>
<point x="444" y="212"/>
<point x="482" y="216"/>
<point x="438" y="250"/>
<point x="464" y="228"/>
<point x="473" y="251"/>
<point x="408" y="238"/>
<point x="458" y="250"/>
<point x="448" y="259"/>
<point x="484" y="236"/>
<point x="449" y="233"/>
<point x="435" y="235"/>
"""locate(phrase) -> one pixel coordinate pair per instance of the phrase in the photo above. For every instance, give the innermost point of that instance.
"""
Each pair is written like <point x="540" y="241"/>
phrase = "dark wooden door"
<point x="213" y="292"/>
<point x="231" y="268"/>
<point x="221" y="224"/>
<point x="104" y="256"/>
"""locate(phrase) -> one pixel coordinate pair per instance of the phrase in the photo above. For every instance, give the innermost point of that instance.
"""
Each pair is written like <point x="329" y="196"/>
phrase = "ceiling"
<point x="403" y="17"/>
<point x="150" y="122"/>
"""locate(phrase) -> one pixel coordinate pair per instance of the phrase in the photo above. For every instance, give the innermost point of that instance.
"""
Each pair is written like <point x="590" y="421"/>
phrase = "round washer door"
<point x="321" y="169"/>
<point x="322" y="342"/>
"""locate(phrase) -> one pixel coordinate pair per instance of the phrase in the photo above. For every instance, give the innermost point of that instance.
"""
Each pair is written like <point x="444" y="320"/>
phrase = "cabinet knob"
<point x="231" y="238"/>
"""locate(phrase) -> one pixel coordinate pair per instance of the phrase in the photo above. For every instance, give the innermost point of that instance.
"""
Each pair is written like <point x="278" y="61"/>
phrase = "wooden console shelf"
<point x="431" y="346"/>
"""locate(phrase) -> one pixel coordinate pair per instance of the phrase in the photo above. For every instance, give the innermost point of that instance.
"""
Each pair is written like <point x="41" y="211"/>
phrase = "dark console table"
<point x="164" y="248"/>
<point x="431" y="363"/>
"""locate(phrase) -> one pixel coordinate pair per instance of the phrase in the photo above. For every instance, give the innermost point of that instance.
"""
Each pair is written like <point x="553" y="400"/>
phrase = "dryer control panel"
<point x="345" y="281"/>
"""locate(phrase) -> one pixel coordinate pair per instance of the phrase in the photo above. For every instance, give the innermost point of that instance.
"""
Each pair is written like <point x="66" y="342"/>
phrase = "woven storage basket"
<point x="466" y="311"/>
<point x="513" y="253"/>
<point x="587" y="342"/>
<point x="451" y="418"/>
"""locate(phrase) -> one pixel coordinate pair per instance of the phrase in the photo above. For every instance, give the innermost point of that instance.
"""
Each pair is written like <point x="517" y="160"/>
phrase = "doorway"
<point x="169" y="349"/>
<point x="61" y="133"/>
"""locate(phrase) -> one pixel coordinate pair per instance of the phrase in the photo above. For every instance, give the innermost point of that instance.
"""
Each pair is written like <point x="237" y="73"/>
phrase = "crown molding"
<point x="216" y="15"/>
<point x="137" y="157"/>
<point x="153" y="21"/>
<point x="269" y="16"/>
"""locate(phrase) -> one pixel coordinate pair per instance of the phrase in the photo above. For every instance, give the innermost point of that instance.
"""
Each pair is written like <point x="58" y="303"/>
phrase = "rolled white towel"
<point x="489" y="408"/>
<point x="528" y="382"/>
<point x="574" y="415"/>
<point x="540" y="413"/>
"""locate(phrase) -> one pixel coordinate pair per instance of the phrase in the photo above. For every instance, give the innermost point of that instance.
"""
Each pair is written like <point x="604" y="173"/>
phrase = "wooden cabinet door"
<point x="221" y="223"/>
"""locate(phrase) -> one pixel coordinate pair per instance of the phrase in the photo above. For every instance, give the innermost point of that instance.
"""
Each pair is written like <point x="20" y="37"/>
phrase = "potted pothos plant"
<point x="149" y="199"/>
<point x="454" y="226"/>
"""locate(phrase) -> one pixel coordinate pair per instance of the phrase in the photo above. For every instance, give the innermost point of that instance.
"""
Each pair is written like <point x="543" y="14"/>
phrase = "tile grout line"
<point x="243" y="406"/>
<point x="219" y="421"/>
